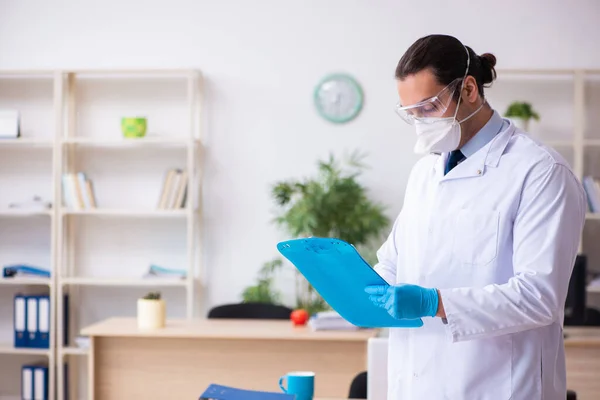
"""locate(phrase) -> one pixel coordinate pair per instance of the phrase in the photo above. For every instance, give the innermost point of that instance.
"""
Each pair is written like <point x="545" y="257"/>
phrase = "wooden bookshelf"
<point x="79" y="128"/>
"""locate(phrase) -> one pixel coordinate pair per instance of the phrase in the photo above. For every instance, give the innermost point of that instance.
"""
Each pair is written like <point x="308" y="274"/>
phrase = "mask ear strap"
<point x="462" y="84"/>
<point x="468" y="61"/>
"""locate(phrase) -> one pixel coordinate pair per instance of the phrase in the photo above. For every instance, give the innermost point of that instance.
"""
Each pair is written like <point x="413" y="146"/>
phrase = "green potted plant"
<point x="263" y="291"/>
<point x="521" y="113"/>
<point x="333" y="203"/>
<point x="151" y="311"/>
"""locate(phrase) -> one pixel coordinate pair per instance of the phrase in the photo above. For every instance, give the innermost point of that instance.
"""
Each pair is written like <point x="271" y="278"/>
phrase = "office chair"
<point x="250" y="311"/>
<point x="358" y="387"/>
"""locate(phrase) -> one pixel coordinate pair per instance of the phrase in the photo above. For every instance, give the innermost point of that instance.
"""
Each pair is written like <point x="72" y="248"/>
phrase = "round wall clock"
<point x="338" y="98"/>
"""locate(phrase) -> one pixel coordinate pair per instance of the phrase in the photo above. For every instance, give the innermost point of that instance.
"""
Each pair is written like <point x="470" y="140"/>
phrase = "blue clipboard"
<point x="339" y="274"/>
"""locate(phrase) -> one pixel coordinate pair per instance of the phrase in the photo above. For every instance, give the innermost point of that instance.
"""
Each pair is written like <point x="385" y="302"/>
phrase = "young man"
<point x="485" y="243"/>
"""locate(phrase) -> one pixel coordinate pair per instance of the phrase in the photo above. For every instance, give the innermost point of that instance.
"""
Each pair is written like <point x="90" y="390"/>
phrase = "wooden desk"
<point x="582" y="351"/>
<point x="182" y="359"/>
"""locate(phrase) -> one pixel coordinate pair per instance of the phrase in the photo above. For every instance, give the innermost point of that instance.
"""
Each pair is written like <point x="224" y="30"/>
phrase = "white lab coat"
<point x="498" y="236"/>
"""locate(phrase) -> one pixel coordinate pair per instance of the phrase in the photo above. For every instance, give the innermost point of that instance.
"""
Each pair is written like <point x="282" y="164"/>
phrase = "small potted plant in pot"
<point x="151" y="311"/>
<point x="521" y="113"/>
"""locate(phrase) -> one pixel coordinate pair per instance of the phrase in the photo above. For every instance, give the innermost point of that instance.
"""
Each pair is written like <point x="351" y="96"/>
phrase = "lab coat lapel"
<point x="439" y="166"/>
<point x="471" y="167"/>
<point x="488" y="156"/>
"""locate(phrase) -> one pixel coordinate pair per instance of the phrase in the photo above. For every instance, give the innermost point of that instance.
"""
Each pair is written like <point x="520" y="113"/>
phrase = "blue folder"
<point x="23" y="269"/>
<point x="219" y="392"/>
<point x="339" y="274"/>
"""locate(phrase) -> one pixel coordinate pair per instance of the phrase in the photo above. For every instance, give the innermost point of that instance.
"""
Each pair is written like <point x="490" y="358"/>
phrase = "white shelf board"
<point x="107" y="212"/>
<point x="27" y="141"/>
<point x="75" y="351"/>
<point x="127" y="282"/>
<point x="591" y="142"/>
<point x="138" y="73"/>
<point x="26" y="281"/>
<point x="7" y="348"/>
<point x="23" y="212"/>
<point x="120" y="142"/>
<point x="592" y="216"/>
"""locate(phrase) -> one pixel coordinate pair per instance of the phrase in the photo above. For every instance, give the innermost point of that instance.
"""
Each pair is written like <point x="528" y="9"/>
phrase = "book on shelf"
<point x="592" y="190"/>
<point x="78" y="191"/>
<point x="174" y="190"/>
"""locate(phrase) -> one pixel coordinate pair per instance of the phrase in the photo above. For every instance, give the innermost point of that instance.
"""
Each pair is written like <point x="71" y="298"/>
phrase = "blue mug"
<point x="300" y="384"/>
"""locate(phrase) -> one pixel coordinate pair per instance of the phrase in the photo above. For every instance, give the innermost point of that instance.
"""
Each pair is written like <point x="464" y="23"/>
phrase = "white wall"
<point x="262" y="60"/>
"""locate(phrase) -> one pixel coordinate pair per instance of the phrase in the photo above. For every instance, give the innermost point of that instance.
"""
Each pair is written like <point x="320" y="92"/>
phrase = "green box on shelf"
<point x="133" y="127"/>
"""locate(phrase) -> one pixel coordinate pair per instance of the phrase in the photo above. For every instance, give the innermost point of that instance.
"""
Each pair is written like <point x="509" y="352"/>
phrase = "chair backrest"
<point x="250" y="311"/>
<point x="575" y="304"/>
<point x="358" y="387"/>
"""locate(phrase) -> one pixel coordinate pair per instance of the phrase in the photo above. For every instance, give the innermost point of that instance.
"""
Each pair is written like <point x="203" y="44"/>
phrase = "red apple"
<point x="299" y="317"/>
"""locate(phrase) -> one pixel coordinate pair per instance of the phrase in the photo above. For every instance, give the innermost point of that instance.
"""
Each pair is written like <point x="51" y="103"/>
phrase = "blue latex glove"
<point x="405" y="301"/>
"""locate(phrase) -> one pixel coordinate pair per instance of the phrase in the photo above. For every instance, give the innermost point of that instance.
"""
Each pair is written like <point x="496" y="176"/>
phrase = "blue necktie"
<point x="455" y="157"/>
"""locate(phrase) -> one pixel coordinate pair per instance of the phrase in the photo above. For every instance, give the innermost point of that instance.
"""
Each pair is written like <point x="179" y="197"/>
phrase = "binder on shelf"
<point x="40" y="383"/>
<point x="20" y="321"/>
<point x="44" y="321"/>
<point x="27" y="382"/>
<point x="32" y="321"/>
<point x="65" y="326"/>
<point x="66" y="381"/>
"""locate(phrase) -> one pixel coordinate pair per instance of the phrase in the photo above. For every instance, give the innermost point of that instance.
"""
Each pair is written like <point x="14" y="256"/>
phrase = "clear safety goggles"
<point x="434" y="107"/>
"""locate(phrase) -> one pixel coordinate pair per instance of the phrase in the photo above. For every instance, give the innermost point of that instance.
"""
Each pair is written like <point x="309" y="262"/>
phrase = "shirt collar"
<point x="490" y="157"/>
<point x="484" y="136"/>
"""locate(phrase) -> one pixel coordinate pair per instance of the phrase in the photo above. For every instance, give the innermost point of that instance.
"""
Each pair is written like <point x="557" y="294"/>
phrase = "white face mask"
<point x="442" y="135"/>
<point x="439" y="135"/>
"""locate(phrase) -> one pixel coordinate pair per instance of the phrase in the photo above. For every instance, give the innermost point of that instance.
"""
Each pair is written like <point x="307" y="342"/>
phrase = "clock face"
<point x="338" y="98"/>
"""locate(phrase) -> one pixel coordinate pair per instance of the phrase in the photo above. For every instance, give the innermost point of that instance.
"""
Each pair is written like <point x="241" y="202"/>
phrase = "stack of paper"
<point x="595" y="283"/>
<point x="330" y="320"/>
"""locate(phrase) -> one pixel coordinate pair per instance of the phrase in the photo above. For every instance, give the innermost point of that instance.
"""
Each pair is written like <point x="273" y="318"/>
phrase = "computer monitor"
<point x="575" y="304"/>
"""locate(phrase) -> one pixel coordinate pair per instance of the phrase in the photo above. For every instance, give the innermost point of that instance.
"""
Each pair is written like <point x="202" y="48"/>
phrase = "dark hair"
<point x="446" y="57"/>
